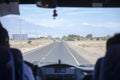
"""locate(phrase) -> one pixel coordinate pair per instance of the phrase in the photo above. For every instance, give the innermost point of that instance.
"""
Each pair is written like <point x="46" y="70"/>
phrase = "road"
<point x="54" y="52"/>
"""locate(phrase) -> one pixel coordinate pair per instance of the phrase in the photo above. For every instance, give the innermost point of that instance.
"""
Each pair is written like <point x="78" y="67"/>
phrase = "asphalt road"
<point x="54" y="52"/>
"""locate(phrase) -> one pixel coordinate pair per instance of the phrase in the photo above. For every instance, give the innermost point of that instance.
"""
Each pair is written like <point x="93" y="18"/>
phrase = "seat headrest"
<point x="6" y="64"/>
<point x="111" y="63"/>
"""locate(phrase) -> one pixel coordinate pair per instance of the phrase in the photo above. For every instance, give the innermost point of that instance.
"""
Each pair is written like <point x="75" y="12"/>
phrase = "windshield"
<point x="76" y="36"/>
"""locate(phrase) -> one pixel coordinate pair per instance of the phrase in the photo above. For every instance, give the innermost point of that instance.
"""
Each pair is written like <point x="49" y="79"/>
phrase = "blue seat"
<point x="7" y="71"/>
<point x="110" y="69"/>
<point x="88" y="77"/>
<point x="97" y="71"/>
<point x="18" y="63"/>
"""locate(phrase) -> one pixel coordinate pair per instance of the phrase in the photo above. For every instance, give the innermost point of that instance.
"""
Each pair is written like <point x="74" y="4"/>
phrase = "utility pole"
<point x="20" y="26"/>
<point x="20" y="29"/>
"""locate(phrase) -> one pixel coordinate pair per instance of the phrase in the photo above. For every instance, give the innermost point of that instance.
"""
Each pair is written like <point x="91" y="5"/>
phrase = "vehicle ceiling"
<point x="74" y="3"/>
<point x="80" y="3"/>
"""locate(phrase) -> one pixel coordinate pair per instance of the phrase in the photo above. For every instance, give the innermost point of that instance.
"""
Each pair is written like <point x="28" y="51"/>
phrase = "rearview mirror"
<point x="46" y="3"/>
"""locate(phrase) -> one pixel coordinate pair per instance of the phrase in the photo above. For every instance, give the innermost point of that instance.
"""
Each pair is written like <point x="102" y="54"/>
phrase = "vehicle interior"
<point x="60" y="65"/>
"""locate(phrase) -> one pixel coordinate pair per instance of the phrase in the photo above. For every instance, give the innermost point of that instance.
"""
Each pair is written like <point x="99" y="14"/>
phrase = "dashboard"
<point x="60" y="72"/>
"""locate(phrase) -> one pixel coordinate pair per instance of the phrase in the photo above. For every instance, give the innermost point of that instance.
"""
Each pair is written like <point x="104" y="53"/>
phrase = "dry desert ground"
<point x="90" y="50"/>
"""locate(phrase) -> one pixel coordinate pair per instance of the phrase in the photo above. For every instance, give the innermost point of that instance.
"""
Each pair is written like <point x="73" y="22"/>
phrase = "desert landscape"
<point x="91" y="50"/>
<point x="28" y="45"/>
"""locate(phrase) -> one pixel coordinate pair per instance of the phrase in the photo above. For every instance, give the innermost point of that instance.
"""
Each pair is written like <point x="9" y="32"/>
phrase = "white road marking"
<point x="47" y="54"/>
<point x="43" y="58"/>
<point x="72" y="54"/>
<point x="25" y="53"/>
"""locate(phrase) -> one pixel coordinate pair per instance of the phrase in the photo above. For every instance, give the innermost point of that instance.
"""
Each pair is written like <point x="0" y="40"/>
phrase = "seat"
<point x="22" y="71"/>
<point x="7" y="71"/>
<point x="18" y="63"/>
<point x="88" y="77"/>
<point x="33" y="67"/>
<point x="110" y="68"/>
<point x="96" y="73"/>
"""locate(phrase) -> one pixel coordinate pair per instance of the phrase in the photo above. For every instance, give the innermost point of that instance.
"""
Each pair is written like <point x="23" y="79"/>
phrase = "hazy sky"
<point x="82" y="21"/>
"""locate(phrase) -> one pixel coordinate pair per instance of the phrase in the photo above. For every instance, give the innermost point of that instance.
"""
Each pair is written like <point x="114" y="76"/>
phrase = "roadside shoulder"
<point x="91" y="57"/>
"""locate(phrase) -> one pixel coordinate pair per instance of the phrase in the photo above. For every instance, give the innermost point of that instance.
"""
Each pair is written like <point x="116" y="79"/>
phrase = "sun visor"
<point x="9" y="7"/>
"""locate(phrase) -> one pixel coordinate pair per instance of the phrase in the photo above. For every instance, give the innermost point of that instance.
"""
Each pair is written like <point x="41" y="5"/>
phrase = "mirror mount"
<point x="46" y="3"/>
<point x="55" y="13"/>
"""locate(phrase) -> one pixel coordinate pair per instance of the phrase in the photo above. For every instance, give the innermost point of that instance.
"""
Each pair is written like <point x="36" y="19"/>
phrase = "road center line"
<point x="47" y="53"/>
<point x="72" y="54"/>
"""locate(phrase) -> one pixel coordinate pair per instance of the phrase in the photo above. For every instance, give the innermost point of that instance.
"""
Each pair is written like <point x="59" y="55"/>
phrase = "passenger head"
<point x="110" y="68"/>
<point x="4" y="38"/>
<point x="111" y="65"/>
<point x="114" y="40"/>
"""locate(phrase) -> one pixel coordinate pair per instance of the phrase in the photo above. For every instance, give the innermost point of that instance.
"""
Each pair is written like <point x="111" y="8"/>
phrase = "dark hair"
<point x="114" y="40"/>
<point x="4" y="38"/>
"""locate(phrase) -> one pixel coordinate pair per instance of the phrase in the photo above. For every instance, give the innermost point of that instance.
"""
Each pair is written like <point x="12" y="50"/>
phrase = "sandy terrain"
<point x="90" y="50"/>
<point x="25" y="47"/>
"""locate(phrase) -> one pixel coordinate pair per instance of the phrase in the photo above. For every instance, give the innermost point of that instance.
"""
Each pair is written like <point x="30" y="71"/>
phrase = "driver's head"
<point x="4" y="38"/>
<point x="114" y="40"/>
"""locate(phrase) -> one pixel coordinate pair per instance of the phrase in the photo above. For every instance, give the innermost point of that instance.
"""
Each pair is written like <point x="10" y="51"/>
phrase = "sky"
<point x="80" y="21"/>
